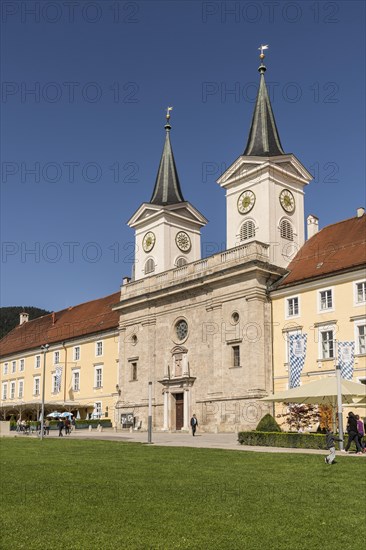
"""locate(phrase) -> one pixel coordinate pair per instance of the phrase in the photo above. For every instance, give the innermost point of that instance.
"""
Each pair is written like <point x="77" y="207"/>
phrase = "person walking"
<point x="330" y="439"/>
<point x="47" y="427"/>
<point x="352" y="433"/>
<point x="194" y="424"/>
<point x="67" y="426"/>
<point x="60" y="426"/>
<point x="361" y="432"/>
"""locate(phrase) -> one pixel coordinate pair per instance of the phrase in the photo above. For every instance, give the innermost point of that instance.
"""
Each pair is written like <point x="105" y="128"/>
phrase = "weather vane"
<point x="263" y="47"/>
<point x="168" y="113"/>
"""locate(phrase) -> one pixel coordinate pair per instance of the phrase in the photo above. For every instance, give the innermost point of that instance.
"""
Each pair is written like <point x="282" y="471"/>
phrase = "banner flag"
<point x="297" y="348"/>
<point x="58" y="375"/>
<point x="346" y="357"/>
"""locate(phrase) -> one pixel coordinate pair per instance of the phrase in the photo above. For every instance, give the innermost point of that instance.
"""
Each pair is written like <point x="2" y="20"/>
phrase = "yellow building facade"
<point x="78" y="350"/>
<point x="324" y="297"/>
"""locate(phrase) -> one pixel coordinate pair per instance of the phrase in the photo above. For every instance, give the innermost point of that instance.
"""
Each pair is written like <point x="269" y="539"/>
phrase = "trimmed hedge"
<point x="291" y="440"/>
<point x="268" y="424"/>
<point x="79" y="424"/>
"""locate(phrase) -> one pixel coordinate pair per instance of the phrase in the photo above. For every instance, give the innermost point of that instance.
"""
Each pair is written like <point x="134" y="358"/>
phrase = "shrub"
<point x="268" y="424"/>
<point x="292" y="440"/>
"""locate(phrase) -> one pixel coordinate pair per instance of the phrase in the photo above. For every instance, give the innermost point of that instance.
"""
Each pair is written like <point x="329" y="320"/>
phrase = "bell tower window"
<point x="149" y="266"/>
<point x="247" y="230"/>
<point x="286" y="230"/>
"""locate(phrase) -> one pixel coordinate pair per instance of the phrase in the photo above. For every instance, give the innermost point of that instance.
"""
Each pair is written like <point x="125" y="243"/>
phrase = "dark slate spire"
<point x="263" y="140"/>
<point x="167" y="187"/>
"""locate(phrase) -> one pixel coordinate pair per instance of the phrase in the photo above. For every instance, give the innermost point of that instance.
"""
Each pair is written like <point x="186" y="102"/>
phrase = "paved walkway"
<point x="201" y="440"/>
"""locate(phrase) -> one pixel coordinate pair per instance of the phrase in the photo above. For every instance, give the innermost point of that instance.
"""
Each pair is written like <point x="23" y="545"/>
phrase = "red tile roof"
<point x="336" y="248"/>
<point x="88" y="318"/>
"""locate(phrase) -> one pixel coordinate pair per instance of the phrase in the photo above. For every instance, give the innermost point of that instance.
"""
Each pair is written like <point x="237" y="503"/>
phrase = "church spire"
<point x="167" y="187"/>
<point x="263" y="140"/>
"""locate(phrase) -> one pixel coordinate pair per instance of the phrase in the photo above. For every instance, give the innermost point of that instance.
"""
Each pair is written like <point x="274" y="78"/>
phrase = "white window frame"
<point x="96" y="376"/>
<point x="56" y="357"/>
<point x="356" y="302"/>
<point x="21" y="365"/>
<point x="6" y="368"/>
<point x="12" y="389"/>
<point x="76" y="353"/>
<point x="20" y="386"/>
<point x="98" y="406"/>
<point x="4" y="391"/>
<point x="287" y="312"/>
<point x="322" y="329"/>
<point x="327" y="309"/>
<point x="35" y="379"/>
<point x="359" y="323"/>
<point x="97" y="348"/>
<point x="13" y="367"/>
<point x="37" y="362"/>
<point x="74" y="373"/>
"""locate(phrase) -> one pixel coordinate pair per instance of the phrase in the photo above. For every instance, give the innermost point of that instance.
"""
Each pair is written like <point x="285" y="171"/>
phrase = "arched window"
<point x="286" y="230"/>
<point x="149" y="266"/>
<point x="180" y="262"/>
<point x="247" y="230"/>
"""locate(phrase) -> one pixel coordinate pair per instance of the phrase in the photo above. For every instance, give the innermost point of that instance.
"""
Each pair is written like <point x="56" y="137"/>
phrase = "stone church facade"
<point x="200" y="330"/>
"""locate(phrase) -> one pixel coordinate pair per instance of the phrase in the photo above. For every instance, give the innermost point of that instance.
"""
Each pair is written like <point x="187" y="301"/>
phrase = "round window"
<point x="134" y="340"/>
<point x="235" y="317"/>
<point x="181" y="329"/>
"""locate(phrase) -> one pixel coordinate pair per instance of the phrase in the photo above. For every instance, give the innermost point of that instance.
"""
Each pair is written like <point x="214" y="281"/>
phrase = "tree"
<point x="300" y="417"/>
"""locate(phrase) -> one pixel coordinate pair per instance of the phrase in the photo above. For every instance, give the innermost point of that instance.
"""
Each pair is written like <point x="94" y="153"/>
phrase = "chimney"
<point x="313" y="225"/>
<point x="53" y="318"/>
<point x="360" y="212"/>
<point x="24" y="318"/>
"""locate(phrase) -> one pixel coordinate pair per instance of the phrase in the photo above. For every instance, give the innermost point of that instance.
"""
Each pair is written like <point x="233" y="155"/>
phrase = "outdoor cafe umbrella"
<point x="321" y="392"/>
<point x="65" y="414"/>
<point x="54" y="414"/>
<point x="333" y="391"/>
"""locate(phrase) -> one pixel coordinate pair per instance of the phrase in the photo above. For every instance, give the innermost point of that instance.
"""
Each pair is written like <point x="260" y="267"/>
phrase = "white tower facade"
<point x="265" y="189"/>
<point x="168" y="228"/>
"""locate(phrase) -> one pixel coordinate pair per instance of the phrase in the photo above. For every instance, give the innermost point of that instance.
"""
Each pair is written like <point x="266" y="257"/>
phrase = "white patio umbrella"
<point x="54" y="414"/>
<point x="321" y="392"/>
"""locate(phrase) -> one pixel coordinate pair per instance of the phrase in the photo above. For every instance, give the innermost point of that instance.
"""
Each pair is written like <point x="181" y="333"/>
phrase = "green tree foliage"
<point x="9" y="317"/>
<point x="268" y="424"/>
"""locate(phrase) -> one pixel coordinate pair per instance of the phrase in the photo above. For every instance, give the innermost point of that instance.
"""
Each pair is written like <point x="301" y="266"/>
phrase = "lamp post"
<point x="339" y="406"/>
<point x="45" y="350"/>
<point x="149" y="420"/>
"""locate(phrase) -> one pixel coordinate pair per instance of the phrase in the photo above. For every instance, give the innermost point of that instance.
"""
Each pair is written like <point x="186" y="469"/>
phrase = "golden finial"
<point x="263" y="47"/>
<point x="168" y="113"/>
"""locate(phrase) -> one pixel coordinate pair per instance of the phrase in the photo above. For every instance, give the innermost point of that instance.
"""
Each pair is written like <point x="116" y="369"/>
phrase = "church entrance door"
<point x="179" y="413"/>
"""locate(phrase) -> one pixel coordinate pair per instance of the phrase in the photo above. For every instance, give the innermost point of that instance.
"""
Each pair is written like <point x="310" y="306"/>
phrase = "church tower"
<point x="168" y="228"/>
<point x="265" y="188"/>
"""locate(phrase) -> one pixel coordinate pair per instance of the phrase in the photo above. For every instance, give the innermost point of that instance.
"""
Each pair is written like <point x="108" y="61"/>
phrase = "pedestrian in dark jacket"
<point x="329" y="440"/>
<point x="194" y="424"/>
<point x="60" y="426"/>
<point x="352" y="433"/>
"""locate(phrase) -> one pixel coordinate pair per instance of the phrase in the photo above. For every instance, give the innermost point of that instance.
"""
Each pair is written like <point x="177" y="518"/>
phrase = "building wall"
<point x="83" y="399"/>
<point x="345" y="315"/>
<point x="224" y="396"/>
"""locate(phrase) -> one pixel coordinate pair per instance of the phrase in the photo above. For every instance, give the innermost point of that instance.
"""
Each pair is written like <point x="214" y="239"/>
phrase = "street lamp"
<point x="45" y="350"/>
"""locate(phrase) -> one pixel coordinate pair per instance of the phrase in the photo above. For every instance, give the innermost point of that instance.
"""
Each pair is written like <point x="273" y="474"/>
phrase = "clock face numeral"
<point x="148" y="241"/>
<point x="246" y="202"/>
<point x="183" y="241"/>
<point x="287" y="200"/>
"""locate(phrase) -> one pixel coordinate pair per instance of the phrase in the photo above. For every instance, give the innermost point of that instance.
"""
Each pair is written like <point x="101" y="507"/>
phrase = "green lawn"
<point x="72" y="494"/>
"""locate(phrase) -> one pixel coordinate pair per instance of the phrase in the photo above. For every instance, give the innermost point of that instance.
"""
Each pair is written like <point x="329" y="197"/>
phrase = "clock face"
<point x="287" y="200"/>
<point x="148" y="241"/>
<point x="246" y="202"/>
<point x="183" y="241"/>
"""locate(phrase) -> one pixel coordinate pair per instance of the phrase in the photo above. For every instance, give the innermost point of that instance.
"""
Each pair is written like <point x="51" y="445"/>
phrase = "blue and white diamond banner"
<point x="346" y="357"/>
<point x="58" y="376"/>
<point x="297" y="349"/>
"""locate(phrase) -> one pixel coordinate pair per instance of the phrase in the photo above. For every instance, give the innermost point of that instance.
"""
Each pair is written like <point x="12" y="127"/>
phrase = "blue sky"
<point x="102" y="74"/>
